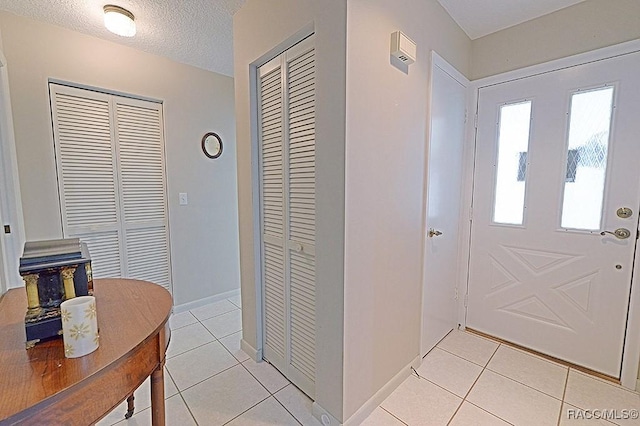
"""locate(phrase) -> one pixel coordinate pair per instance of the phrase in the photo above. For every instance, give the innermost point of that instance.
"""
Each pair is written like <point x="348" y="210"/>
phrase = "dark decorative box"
<point x="53" y="271"/>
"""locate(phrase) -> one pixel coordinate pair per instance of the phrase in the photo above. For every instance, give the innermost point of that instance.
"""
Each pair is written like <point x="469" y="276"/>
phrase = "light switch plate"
<point x="183" y="199"/>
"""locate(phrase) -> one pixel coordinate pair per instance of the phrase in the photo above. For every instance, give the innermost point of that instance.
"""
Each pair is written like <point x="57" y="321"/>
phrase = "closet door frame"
<point x="307" y="31"/>
<point x="113" y="99"/>
<point x="276" y="58"/>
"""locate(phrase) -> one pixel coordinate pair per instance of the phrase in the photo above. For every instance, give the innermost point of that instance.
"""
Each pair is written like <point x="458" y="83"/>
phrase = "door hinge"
<point x="466" y="300"/>
<point x="466" y="116"/>
<point x="7" y="229"/>
<point x="475" y="121"/>
<point x="456" y="296"/>
<point x="470" y="214"/>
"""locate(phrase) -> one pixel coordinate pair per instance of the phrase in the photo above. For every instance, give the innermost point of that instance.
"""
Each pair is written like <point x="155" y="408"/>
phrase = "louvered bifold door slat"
<point x="272" y="214"/>
<point x="87" y="179"/>
<point x="140" y="142"/>
<point x="301" y="211"/>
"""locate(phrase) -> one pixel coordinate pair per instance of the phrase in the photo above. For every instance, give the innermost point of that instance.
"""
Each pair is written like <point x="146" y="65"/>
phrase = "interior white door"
<point x="444" y="185"/>
<point x="556" y="165"/>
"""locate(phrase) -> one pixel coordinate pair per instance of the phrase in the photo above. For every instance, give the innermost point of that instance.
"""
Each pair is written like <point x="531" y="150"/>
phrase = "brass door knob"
<point x="620" y="233"/>
<point x="434" y="233"/>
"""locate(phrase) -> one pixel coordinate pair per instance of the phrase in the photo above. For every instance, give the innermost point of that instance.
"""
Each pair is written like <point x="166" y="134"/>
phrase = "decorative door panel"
<point x="555" y="161"/>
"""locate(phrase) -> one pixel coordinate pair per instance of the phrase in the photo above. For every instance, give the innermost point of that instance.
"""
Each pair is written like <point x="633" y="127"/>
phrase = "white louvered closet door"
<point x="142" y="185"/>
<point x="287" y="149"/>
<point x="110" y="162"/>
<point x="87" y="175"/>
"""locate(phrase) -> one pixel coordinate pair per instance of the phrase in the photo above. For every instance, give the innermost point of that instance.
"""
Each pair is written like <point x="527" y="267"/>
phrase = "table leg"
<point x="157" y="397"/>
<point x="130" y="407"/>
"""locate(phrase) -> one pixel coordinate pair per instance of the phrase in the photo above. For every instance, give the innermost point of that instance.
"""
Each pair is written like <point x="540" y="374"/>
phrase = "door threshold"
<point x="585" y="370"/>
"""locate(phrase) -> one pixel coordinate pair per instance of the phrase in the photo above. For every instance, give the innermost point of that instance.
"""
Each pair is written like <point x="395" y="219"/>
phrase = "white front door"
<point x="557" y="165"/>
<point x="445" y="155"/>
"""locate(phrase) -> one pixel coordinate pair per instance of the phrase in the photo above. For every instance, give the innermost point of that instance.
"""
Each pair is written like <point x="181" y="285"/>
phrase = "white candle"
<point x="79" y="326"/>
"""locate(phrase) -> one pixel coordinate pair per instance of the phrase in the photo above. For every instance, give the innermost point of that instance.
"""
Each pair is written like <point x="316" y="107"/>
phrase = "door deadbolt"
<point x="620" y="233"/>
<point x="624" y="212"/>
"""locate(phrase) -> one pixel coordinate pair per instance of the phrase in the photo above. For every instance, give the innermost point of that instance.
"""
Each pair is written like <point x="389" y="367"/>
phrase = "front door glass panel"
<point x="587" y="152"/>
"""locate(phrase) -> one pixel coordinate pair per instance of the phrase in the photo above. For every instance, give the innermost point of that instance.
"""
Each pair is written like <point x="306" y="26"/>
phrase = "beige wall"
<point x="262" y="29"/>
<point x="580" y="28"/>
<point x="204" y="234"/>
<point x="385" y="168"/>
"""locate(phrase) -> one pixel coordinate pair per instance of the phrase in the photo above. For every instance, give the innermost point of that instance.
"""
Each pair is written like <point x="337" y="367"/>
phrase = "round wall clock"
<point x="212" y="145"/>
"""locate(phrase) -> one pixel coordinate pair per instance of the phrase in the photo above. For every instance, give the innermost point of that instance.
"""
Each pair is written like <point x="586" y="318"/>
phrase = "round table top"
<point x="129" y="312"/>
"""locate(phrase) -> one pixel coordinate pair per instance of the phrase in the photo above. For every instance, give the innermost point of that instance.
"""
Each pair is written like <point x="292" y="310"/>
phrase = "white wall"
<point x="386" y="119"/>
<point x="385" y="168"/>
<point x="262" y="29"/>
<point x="204" y="234"/>
<point x="580" y="28"/>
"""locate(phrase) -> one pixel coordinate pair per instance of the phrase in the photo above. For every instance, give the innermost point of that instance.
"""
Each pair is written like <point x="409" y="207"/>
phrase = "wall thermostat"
<point x="403" y="48"/>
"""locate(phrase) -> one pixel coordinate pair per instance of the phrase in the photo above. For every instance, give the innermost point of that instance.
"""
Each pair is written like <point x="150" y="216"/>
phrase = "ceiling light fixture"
<point x="119" y="21"/>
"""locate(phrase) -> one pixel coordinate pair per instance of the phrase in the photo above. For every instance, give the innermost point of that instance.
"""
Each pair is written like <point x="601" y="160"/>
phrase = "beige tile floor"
<point x="465" y="380"/>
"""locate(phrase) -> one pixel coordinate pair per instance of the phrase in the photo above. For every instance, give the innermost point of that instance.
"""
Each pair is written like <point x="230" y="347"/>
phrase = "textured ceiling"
<point x="481" y="17"/>
<point x="194" y="32"/>
<point x="199" y="32"/>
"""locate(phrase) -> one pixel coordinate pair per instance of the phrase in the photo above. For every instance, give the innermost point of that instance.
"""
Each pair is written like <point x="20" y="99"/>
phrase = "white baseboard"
<point x="254" y="354"/>
<point x="377" y="399"/>
<point x="367" y="408"/>
<point x="201" y="302"/>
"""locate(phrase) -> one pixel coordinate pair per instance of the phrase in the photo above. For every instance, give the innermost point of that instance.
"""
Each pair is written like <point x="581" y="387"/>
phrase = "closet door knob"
<point x="434" y="233"/>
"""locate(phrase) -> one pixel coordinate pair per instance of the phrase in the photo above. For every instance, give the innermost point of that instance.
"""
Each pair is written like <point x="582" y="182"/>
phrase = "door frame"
<point x="438" y="61"/>
<point x="631" y="350"/>
<point x="10" y="198"/>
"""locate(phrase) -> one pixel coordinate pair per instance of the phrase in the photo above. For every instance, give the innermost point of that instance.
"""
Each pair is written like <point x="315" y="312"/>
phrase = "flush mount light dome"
<point x="119" y="21"/>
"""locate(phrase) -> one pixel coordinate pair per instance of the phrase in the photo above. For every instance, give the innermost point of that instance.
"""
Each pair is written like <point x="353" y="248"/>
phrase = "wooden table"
<point x="41" y="386"/>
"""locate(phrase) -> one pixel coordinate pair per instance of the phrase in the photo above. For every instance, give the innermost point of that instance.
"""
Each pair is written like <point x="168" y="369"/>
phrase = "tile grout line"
<point x="215" y="340"/>
<point x="178" y="391"/>
<point x="253" y="406"/>
<point x="236" y="308"/>
<point x="489" y="412"/>
<point x="517" y="381"/>
<point x="216" y="316"/>
<point x="392" y="415"/>
<point x="239" y="307"/>
<point x="523" y="384"/>
<point x="207" y="378"/>
<point x="464" y="399"/>
<point x="564" y="393"/>
<point x="285" y="408"/>
<point x="192" y="349"/>
<point x="238" y="362"/>
<point x="272" y="393"/>
<point x="606" y="382"/>
<point x="458" y="356"/>
<point x="246" y="369"/>
<point x="184" y="401"/>
<point x="258" y="380"/>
